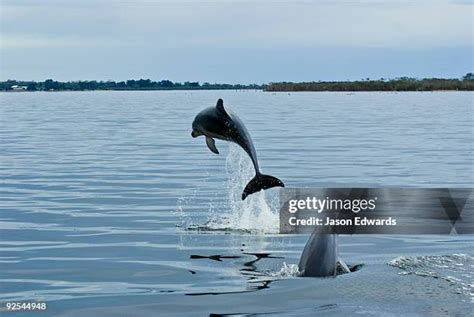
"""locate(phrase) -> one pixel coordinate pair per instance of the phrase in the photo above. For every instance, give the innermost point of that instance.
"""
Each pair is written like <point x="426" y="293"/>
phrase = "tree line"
<point x="140" y="84"/>
<point x="398" y="84"/>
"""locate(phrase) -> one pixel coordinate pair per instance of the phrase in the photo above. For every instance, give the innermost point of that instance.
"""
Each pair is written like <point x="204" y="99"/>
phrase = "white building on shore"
<point x="19" y="88"/>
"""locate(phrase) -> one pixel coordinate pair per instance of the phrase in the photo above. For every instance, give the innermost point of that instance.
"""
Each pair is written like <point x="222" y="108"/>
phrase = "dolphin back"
<point x="260" y="182"/>
<point x="319" y="257"/>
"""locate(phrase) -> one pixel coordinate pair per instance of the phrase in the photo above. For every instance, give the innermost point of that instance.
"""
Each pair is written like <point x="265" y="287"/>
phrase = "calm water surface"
<point x="109" y="206"/>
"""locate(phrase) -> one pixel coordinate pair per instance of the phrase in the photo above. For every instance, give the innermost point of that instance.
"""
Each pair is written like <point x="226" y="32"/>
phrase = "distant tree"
<point x="121" y="84"/>
<point x="7" y="85"/>
<point x="144" y="83"/>
<point x="131" y="84"/>
<point x="32" y="86"/>
<point x="109" y="84"/>
<point x="50" y="84"/>
<point x="468" y="76"/>
<point x="165" y="83"/>
<point x="191" y="84"/>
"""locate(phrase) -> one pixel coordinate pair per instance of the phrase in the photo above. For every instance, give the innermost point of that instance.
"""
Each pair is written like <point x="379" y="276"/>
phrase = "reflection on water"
<point x="94" y="185"/>
<point x="297" y="312"/>
<point x="255" y="280"/>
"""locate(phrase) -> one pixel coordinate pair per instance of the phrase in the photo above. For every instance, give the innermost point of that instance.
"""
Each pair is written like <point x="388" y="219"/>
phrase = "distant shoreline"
<point x="399" y="84"/>
<point x="172" y="89"/>
<point x="466" y="83"/>
<point x="263" y="90"/>
<point x="131" y="84"/>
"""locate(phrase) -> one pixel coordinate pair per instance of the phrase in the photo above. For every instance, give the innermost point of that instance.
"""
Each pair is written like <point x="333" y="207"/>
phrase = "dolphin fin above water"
<point x="211" y="144"/>
<point x="220" y="107"/>
<point x="319" y="257"/>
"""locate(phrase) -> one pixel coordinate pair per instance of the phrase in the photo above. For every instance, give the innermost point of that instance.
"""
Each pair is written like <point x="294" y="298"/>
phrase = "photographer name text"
<point x="328" y="221"/>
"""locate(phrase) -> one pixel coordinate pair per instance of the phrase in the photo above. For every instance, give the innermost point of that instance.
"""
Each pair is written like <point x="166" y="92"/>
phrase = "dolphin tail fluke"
<point x="260" y="182"/>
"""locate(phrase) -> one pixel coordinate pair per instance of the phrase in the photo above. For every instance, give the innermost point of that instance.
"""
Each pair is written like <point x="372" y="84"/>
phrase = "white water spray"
<point x="257" y="213"/>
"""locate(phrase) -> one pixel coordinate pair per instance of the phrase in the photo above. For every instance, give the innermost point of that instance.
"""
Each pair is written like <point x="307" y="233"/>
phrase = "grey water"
<point x="110" y="208"/>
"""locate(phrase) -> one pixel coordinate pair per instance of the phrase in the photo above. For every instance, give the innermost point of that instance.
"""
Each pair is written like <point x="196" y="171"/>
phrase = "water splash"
<point x="256" y="213"/>
<point x="286" y="271"/>
<point x="456" y="269"/>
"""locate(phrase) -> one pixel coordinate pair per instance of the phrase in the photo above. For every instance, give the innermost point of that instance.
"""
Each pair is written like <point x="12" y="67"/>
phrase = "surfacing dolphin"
<point x="219" y="123"/>
<point x="320" y="257"/>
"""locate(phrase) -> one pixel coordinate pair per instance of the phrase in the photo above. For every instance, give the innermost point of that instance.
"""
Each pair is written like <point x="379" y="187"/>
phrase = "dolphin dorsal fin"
<point x="220" y="106"/>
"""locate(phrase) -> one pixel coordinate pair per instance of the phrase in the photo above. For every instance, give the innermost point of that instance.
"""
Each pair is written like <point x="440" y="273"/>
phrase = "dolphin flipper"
<point x="211" y="144"/>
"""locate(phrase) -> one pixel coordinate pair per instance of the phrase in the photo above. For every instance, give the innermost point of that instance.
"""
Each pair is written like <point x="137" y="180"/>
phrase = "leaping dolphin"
<point x="219" y="123"/>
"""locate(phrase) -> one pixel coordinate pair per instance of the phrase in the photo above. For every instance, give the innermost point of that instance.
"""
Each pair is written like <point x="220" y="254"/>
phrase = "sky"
<point x="238" y="41"/>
